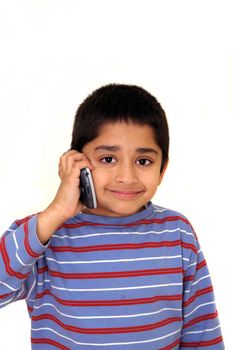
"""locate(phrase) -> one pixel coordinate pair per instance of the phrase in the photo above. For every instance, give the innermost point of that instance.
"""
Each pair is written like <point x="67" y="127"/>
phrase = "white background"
<point x="54" y="53"/>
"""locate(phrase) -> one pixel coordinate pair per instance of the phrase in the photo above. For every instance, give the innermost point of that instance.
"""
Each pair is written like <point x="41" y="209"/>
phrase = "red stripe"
<point x="171" y="346"/>
<point x="116" y="274"/>
<point x="43" y="269"/>
<point x="30" y="309"/>
<point x="50" y="342"/>
<point x="202" y="343"/>
<point x="197" y="294"/>
<point x="189" y="246"/>
<point x="115" y="246"/>
<point x="201" y="318"/>
<point x="22" y="221"/>
<point x="26" y="242"/>
<point x="118" y="330"/>
<point x="3" y="296"/>
<point x="85" y="303"/>
<point x="140" y="222"/>
<point x="188" y="278"/>
<point x="6" y="261"/>
<point x="201" y="264"/>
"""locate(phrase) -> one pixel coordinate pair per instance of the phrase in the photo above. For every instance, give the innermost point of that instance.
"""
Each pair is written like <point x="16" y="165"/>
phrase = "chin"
<point x="122" y="210"/>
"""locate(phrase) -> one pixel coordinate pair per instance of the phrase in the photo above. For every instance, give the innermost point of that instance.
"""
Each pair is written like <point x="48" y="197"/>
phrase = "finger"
<point x="68" y="153"/>
<point x="62" y="165"/>
<point x="65" y="163"/>
<point x="69" y="159"/>
<point x="72" y="159"/>
<point x="77" y="157"/>
<point x="75" y="172"/>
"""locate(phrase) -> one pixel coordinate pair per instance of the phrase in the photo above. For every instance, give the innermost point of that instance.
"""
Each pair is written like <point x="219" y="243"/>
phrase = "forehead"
<point x="122" y="131"/>
<point x="124" y="137"/>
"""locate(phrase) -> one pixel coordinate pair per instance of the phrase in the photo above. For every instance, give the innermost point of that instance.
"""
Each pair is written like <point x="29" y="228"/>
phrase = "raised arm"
<point x="66" y="202"/>
<point x="25" y="241"/>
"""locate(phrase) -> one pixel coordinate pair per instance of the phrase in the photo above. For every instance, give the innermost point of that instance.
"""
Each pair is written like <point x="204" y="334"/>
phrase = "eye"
<point x="108" y="160"/>
<point x="144" y="161"/>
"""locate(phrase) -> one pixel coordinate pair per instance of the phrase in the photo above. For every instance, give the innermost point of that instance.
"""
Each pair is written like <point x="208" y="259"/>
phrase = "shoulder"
<point x="169" y="215"/>
<point x="165" y="210"/>
<point x="19" y="222"/>
<point x="181" y="228"/>
<point x="174" y="220"/>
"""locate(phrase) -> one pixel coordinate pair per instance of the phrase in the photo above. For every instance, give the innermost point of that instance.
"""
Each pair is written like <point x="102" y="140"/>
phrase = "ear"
<point x="163" y="172"/>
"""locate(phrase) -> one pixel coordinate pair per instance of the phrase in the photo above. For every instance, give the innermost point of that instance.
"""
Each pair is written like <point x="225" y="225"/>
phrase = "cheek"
<point x="151" y="182"/>
<point x="100" y="177"/>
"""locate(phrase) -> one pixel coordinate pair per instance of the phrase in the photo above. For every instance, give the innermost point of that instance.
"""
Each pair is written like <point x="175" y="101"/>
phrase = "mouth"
<point x="126" y="194"/>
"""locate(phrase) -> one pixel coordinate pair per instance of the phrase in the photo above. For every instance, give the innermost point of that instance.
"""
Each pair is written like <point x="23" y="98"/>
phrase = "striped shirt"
<point x="133" y="283"/>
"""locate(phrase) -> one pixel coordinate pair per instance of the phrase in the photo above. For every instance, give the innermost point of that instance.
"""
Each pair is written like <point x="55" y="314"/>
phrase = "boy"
<point x="128" y="274"/>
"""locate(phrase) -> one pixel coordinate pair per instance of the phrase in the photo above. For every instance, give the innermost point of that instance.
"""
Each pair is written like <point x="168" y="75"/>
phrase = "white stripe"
<point x="7" y="302"/>
<point x="193" y="264"/>
<point x="198" y="307"/>
<point x="21" y="261"/>
<point x="8" y="286"/>
<point x="14" y="290"/>
<point x="104" y="317"/>
<point x="31" y="301"/>
<point x="113" y="261"/>
<point x="196" y="282"/>
<point x="117" y="233"/>
<point x="16" y="244"/>
<point x="22" y="291"/>
<point x="120" y="288"/>
<point x="42" y="283"/>
<point x="185" y="259"/>
<point x="16" y="254"/>
<point x="205" y="330"/>
<point x="157" y="209"/>
<point x="105" y="344"/>
<point x="200" y="279"/>
<point x="187" y="233"/>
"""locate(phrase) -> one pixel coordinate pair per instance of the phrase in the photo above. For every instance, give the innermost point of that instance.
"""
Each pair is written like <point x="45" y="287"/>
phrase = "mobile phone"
<point x="87" y="189"/>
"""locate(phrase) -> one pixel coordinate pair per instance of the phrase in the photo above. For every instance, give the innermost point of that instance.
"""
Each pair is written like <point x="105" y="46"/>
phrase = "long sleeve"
<point x="201" y="327"/>
<point x="19" y="252"/>
<point x="131" y="283"/>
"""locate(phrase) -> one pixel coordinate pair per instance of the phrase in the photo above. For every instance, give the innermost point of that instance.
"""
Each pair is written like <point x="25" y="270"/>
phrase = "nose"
<point x="126" y="174"/>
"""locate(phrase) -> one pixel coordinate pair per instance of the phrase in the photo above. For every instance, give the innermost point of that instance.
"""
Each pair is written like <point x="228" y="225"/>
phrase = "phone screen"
<point x="87" y="189"/>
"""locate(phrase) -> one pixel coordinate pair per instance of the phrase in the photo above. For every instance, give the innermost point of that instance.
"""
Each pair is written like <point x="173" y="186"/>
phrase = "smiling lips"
<point x="127" y="194"/>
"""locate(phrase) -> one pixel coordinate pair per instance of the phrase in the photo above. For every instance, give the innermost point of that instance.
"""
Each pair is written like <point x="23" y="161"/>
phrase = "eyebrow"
<point x="116" y="148"/>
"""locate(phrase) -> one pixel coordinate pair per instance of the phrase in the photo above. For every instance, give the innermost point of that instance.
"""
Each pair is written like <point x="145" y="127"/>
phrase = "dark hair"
<point x="120" y="102"/>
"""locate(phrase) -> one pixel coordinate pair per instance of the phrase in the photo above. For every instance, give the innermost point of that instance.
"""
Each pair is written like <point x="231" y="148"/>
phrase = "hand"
<point x="67" y="197"/>
<point x="66" y="202"/>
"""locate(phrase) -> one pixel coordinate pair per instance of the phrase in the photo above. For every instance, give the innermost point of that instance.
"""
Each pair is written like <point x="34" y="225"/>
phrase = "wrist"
<point x="48" y="222"/>
<point x="57" y="212"/>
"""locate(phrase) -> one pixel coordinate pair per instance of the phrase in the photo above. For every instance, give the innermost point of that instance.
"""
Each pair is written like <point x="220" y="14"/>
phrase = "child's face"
<point x="127" y="164"/>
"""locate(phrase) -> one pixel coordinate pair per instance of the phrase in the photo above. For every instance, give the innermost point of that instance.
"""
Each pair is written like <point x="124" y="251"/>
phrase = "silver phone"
<point x="87" y="189"/>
